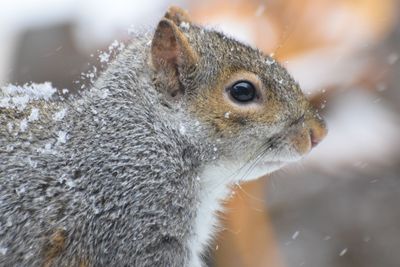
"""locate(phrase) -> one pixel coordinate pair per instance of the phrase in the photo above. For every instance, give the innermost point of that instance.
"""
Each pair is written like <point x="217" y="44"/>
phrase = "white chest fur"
<point x="214" y="188"/>
<point x="215" y="181"/>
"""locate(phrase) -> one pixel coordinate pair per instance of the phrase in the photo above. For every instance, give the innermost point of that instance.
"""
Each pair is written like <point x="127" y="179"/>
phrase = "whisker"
<point x="256" y="161"/>
<point x="259" y="151"/>
<point x="256" y="155"/>
<point x="255" y="158"/>
<point x="250" y="195"/>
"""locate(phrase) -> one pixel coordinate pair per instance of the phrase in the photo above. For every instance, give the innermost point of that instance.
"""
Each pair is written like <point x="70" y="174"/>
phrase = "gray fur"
<point x="122" y="188"/>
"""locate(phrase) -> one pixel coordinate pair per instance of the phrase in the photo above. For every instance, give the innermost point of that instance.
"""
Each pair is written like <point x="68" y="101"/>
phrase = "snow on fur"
<point x="14" y="96"/>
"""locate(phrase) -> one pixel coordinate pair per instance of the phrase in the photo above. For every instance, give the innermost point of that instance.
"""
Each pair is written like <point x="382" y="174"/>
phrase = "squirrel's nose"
<point x="317" y="135"/>
<point x="318" y="131"/>
<point x="309" y="133"/>
<point x="312" y="131"/>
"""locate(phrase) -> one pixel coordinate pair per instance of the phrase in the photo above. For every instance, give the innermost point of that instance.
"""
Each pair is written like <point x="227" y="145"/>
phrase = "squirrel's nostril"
<point x="314" y="140"/>
<point x="316" y="135"/>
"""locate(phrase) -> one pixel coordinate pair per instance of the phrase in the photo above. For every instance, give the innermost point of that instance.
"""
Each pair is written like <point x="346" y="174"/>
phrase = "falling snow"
<point x="104" y="57"/>
<point x="343" y="252"/>
<point x="23" y="125"/>
<point x="34" y="116"/>
<point x="270" y="61"/>
<point x="116" y="45"/>
<point x="62" y="137"/>
<point x="185" y="25"/>
<point x="70" y="183"/>
<point x="58" y="116"/>
<point x="3" y="250"/>
<point x="20" y="190"/>
<point x="182" y="129"/>
<point x="10" y="126"/>
<point x="295" y="235"/>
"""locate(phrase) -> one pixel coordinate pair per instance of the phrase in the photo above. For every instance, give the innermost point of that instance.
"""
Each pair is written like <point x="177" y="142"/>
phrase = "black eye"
<point x="243" y="91"/>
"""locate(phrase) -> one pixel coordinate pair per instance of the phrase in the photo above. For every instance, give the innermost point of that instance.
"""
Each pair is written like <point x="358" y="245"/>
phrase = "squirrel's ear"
<point x="177" y="15"/>
<point x="171" y="54"/>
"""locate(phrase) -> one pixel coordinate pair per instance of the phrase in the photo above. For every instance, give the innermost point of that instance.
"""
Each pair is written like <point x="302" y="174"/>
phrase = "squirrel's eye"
<point x="243" y="91"/>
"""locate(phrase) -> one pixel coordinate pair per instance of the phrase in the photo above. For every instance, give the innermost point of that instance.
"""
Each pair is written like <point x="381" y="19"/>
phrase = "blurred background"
<point x="337" y="208"/>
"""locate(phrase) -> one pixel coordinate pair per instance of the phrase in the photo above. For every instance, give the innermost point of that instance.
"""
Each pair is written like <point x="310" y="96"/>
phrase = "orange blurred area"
<point x="292" y="27"/>
<point x="338" y="207"/>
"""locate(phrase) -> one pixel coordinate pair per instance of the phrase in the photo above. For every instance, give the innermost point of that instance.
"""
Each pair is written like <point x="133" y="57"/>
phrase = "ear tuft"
<point x="177" y="15"/>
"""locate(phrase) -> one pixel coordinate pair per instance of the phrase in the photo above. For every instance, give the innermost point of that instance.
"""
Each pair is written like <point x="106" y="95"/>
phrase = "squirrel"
<point x="132" y="171"/>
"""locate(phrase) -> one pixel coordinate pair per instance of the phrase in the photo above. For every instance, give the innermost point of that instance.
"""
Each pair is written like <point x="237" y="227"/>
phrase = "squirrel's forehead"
<point x="242" y="57"/>
<point x="212" y="38"/>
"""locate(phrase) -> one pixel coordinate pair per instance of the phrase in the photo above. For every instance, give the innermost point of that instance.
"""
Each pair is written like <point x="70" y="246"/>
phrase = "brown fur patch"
<point x="83" y="263"/>
<point x="54" y="247"/>
<point x="215" y="107"/>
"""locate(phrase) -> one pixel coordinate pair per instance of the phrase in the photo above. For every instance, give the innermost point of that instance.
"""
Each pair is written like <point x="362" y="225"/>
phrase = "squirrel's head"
<point x="252" y="109"/>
